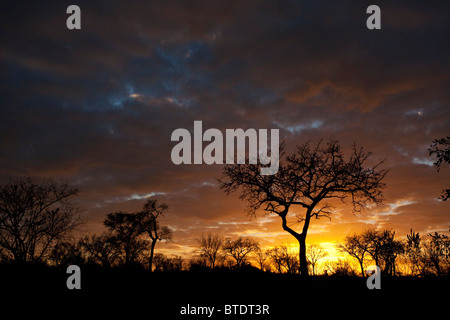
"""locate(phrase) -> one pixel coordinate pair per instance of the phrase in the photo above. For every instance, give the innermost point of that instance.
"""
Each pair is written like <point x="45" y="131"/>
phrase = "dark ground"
<point x="39" y="291"/>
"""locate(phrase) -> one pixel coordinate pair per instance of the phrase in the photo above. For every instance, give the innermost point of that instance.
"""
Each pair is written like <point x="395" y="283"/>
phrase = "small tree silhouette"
<point x="356" y="246"/>
<point x="128" y="229"/>
<point x="239" y="249"/>
<point x="261" y="258"/>
<point x="437" y="254"/>
<point x="284" y="259"/>
<point x="413" y="251"/>
<point x="210" y="245"/>
<point x="149" y="216"/>
<point x="314" y="253"/>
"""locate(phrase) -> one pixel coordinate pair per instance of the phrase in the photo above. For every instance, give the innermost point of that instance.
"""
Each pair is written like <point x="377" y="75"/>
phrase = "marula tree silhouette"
<point x="308" y="178"/>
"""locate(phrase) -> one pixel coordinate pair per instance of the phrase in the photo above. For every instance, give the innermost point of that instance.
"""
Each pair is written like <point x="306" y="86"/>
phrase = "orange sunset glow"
<point x="113" y="140"/>
<point x="134" y="105"/>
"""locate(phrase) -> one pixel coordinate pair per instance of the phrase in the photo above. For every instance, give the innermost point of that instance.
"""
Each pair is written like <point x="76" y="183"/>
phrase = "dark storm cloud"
<point x="98" y="105"/>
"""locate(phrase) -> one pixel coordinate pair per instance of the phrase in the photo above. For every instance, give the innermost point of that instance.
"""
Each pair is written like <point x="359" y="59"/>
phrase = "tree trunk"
<point x="302" y="242"/>
<point x="150" y="260"/>
<point x="362" y="268"/>
<point x="302" y="256"/>
<point x="301" y="237"/>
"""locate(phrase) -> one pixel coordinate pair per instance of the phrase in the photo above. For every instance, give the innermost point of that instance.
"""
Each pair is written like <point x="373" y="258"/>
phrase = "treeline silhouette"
<point x="37" y="218"/>
<point x="413" y="256"/>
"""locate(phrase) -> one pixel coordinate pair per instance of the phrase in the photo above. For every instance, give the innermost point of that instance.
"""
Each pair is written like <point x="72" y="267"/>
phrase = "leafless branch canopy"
<point x="308" y="178"/>
<point x="33" y="214"/>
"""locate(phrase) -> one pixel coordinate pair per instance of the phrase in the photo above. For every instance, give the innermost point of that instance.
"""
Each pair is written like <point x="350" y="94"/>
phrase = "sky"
<point x="97" y="106"/>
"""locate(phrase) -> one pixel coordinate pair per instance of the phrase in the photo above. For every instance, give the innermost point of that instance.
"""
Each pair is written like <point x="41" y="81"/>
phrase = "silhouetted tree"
<point x="65" y="253"/>
<point x="437" y="253"/>
<point x="103" y="249"/>
<point x="391" y="248"/>
<point x="314" y="253"/>
<point x="210" y="245"/>
<point x="383" y="248"/>
<point x="33" y="215"/>
<point x="371" y="238"/>
<point x="413" y="252"/>
<point x="127" y="229"/>
<point x="307" y="178"/>
<point x="261" y="258"/>
<point x="149" y="215"/>
<point x="277" y="258"/>
<point x="441" y="149"/>
<point x="428" y="256"/>
<point x="284" y="259"/>
<point x="239" y="249"/>
<point x="356" y="246"/>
